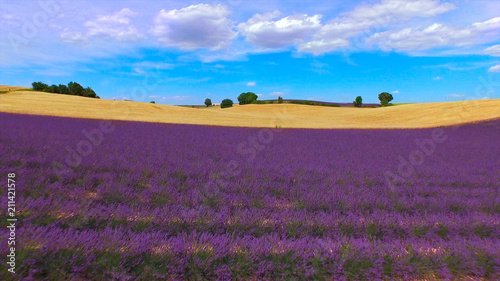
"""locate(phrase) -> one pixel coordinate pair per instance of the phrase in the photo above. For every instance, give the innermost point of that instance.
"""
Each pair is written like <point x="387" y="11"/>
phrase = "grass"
<point x="417" y="115"/>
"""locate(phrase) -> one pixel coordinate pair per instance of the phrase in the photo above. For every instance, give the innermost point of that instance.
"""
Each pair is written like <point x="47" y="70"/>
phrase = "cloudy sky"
<point x="180" y="52"/>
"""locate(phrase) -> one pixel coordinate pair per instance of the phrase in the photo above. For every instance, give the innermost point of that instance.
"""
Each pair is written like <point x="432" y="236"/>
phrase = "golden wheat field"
<point x="423" y="115"/>
<point x="4" y="88"/>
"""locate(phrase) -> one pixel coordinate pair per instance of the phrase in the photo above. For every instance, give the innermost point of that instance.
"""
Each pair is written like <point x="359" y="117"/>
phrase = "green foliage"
<point x="89" y="93"/>
<point x="385" y="98"/>
<point x="76" y="89"/>
<point x="152" y="101"/>
<point x="52" y="89"/>
<point x="358" y="101"/>
<point x="280" y="100"/>
<point x="39" y="86"/>
<point x="226" y="103"/>
<point x="247" y="98"/>
<point x="73" y="88"/>
<point x="208" y="102"/>
<point x="63" y="89"/>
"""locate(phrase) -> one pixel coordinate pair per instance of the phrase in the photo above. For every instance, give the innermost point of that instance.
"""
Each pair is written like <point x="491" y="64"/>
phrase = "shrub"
<point x="358" y="101"/>
<point x="89" y="93"/>
<point x="247" y="98"/>
<point x="76" y="89"/>
<point x="63" y="89"/>
<point x="280" y="100"/>
<point x="208" y="102"/>
<point x="226" y="103"/>
<point x="52" y="89"/>
<point x="385" y="98"/>
<point x="152" y="101"/>
<point x="39" y="86"/>
<point x="72" y="89"/>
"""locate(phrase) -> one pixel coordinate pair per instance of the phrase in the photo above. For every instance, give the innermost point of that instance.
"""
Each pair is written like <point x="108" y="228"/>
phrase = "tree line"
<point x="249" y="97"/>
<point x="72" y="88"/>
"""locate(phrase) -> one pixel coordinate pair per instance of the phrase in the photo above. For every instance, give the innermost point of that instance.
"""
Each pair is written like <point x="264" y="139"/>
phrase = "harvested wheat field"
<point x="4" y="88"/>
<point x="423" y="115"/>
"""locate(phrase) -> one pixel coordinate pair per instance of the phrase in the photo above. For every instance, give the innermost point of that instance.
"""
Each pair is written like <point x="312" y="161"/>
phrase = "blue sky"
<point x="180" y="52"/>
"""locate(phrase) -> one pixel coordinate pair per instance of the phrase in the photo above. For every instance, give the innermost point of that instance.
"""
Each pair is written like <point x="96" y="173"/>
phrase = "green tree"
<point x="358" y="101"/>
<point x="89" y="93"/>
<point x="385" y="98"/>
<point x="280" y="100"/>
<point x="152" y="101"/>
<point x="247" y="98"/>
<point x="226" y="103"/>
<point x="208" y="102"/>
<point x="52" y="89"/>
<point x="39" y="86"/>
<point x="63" y="89"/>
<point x="76" y="89"/>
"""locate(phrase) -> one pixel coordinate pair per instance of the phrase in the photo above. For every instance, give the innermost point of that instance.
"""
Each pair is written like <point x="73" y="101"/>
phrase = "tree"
<point x="247" y="98"/>
<point x="76" y="89"/>
<point x="63" y="89"/>
<point x="385" y="98"/>
<point x="208" y="102"/>
<point x="52" y="89"/>
<point x="152" y="101"/>
<point x="280" y="100"/>
<point x="89" y="93"/>
<point x="226" y="103"/>
<point x="39" y="86"/>
<point x="73" y="88"/>
<point x="358" y="101"/>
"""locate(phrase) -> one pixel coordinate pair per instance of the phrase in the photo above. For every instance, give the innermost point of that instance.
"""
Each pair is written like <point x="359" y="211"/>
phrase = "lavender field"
<point x="185" y="202"/>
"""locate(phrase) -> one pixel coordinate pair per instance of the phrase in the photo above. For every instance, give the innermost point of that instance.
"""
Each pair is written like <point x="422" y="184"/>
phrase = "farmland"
<point x="135" y="200"/>
<point x="422" y="115"/>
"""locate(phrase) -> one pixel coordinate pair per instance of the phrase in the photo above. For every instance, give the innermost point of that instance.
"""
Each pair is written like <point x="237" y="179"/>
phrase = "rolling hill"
<point x="423" y="115"/>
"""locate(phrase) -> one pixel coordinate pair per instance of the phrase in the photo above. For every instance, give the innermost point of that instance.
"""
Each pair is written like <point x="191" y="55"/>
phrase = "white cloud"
<point x="154" y="65"/>
<point x="116" y="26"/>
<point x="149" y="66"/>
<point x="437" y="35"/>
<point x="455" y="96"/>
<point x="154" y="96"/>
<point x="396" y="92"/>
<point x="493" y="51"/>
<point x="437" y="78"/>
<point x="323" y="45"/>
<point x="260" y="95"/>
<point x="251" y="84"/>
<point x="495" y="68"/>
<point x="334" y="34"/>
<point x="194" y="27"/>
<point x="265" y="32"/>
<point x="176" y="98"/>
<point x="179" y="98"/>
<point x="277" y="94"/>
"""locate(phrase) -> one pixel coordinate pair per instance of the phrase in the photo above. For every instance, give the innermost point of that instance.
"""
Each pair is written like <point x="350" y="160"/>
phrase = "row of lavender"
<point x="127" y="201"/>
